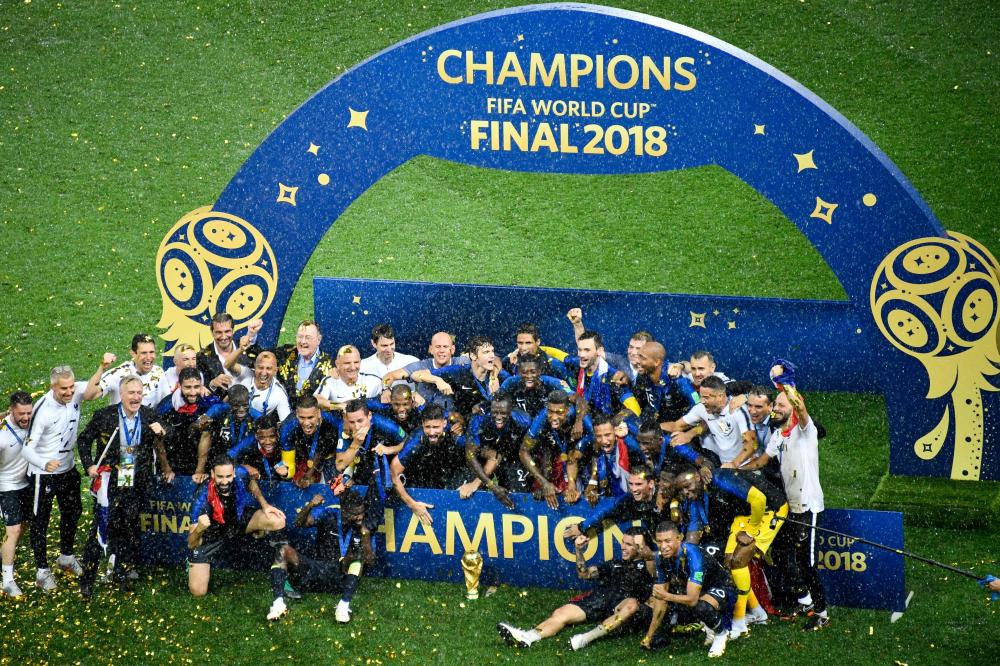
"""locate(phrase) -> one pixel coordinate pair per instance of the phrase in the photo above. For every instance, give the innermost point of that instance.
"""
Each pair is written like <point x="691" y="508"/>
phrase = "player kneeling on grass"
<point x="685" y="566"/>
<point x="621" y="587"/>
<point x="222" y="518"/>
<point x="337" y="566"/>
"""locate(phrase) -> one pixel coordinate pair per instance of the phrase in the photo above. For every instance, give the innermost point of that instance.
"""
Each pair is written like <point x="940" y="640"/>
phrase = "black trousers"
<point x="65" y="489"/>
<point x="123" y="532"/>
<point x="797" y="546"/>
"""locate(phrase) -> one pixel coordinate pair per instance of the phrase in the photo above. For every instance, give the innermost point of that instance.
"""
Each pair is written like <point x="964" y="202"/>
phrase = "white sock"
<point x="806" y="600"/>
<point x="592" y="635"/>
<point x="822" y="613"/>
<point x="63" y="559"/>
<point x="533" y="636"/>
<point x="8" y="573"/>
<point x="42" y="572"/>
<point x="345" y="605"/>
<point x="740" y="624"/>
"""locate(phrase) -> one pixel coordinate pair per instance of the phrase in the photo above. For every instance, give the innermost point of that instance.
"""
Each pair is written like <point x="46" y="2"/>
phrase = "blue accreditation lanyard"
<point x="134" y="435"/>
<point x="315" y="445"/>
<point x="232" y="430"/>
<point x="267" y="463"/>
<point x="7" y="424"/>
<point x="266" y="397"/>
<point x="343" y="539"/>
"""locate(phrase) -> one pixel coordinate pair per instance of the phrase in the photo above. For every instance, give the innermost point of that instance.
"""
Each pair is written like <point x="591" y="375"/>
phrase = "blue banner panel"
<point x="744" y="334"/>
<point x="524" y="547"/>
<point x="857" y="575"/>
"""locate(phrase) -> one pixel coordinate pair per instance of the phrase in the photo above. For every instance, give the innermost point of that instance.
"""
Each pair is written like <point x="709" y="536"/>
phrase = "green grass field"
<point x="118" y="118"/>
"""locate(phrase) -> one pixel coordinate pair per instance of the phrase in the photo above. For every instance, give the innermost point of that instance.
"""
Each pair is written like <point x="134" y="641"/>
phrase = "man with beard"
<point x="621" y="585"/>
<point x="259" y="453"/>
<point x="127" y="436"/>
<point x="336" y="566"/>
<point x="661" y="397"/>
<point x="558" y="451"/>
<point x="529" y="388"/>
<point x="401" y="408"/>
<point x="15" y="491"/>
<point x="213" y="359"/>
<point x="496" y="438"/>
<point x="155" y="386"/>
<point x="431" y="458"/>
<point x="308" y="444"/>
<point x="628" y="364"/>
<point x="222" y="517"/>
<point x="795" y="443"/>
<point x="470" y="386"/>
<point x="303" y="366"/>
<point x="590" y="378"/>
<point x="183" y="443"/>
<point x="349" y="383"/>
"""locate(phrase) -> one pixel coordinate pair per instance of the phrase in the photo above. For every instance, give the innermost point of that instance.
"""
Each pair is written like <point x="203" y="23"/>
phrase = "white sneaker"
<point x="739" y="630"/>
<point x="45" y="580"/>
<point x="12" y="590"/>
<point x="278" y="608"/>
<point x="342" y="614"/>
<point x="718" y="645"/>
<point x="577" y="642"/>
<point x="514" y="636"/>
<point x="756" y="616"/>
<point x="70" y="565"/>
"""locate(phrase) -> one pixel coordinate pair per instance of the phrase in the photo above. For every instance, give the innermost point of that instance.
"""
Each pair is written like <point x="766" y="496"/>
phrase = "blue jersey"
<point x="560" y="441"/>
<point x="506" y="441"/>
<point x="233" y="512"/>
<point x="691" y="565"/>
<point x="532" y="400"/>
<point x="469" y="391"/>
<point x="666" y="399"/>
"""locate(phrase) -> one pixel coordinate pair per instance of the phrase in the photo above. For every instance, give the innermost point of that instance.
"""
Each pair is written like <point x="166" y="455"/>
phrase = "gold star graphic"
<point x="824" y="210"/>
<point x="731" y="325"/>
<point x="715" y="312"/>
<point x="520" y="38"/>
<point x="313" y="148"/>
<point x="758" y="129"/>
<point x="358" y="119"/>
<point x="286" y="194"/>
<point x="736" y="310"/>
<point x="356" y="299"/>
<point x="805" y="161"/>
<point x="697" y="319"/>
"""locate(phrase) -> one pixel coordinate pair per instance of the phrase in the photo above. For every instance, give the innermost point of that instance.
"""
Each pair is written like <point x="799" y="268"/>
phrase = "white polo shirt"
<point x="798" y="454"/>
<point x="725" y="431"/>
<point x="155" y="385"/>
<point x="265" y="401"/>
<point x="373" y="366"/>
<point x="52" y="433"/>
<point x="338" y="391"/>
<point x="13" y="466"/>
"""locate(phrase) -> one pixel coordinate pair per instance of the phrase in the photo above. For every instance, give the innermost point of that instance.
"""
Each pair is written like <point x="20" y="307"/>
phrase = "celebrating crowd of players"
<point x="718" y="478"/>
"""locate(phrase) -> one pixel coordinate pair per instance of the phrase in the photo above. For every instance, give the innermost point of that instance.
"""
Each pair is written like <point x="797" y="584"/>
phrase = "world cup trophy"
<point x="472" y="567"/>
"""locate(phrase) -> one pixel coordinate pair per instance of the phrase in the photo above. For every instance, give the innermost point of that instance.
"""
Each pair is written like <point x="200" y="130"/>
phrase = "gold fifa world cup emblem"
<point x="472" y="567"/>
<point x="935" y="299"/>
<point x="211" y="262"/>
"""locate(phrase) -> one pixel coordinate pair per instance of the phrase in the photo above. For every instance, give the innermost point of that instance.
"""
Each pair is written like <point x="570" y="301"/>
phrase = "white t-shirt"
<point x="155" y="386"/>
<point x="268" y="400"/>
<point x="52" y="433"/>
<point x="373" y="366"/>
<point x="13" y="466"/>
<point x="725" y="431"/>
<point x="798" y="454"/>
<point x="338" y="391"/>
